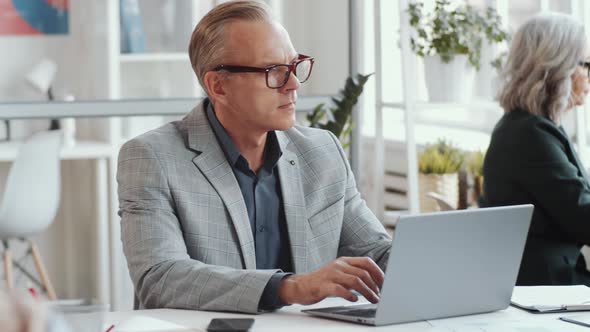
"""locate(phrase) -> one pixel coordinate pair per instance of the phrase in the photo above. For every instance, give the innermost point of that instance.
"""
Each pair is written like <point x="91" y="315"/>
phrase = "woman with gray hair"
<point x="531" y="159"/>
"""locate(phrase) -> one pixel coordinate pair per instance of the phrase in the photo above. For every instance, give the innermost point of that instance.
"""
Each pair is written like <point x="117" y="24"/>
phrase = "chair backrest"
<point x="31" y="196"/>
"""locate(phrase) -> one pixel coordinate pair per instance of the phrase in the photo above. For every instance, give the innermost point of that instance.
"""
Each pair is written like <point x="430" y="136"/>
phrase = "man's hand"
<point x="335" y="279"/>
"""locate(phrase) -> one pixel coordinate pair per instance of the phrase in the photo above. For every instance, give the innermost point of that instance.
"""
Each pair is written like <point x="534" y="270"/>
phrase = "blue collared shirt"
<point x="262" y="195"/>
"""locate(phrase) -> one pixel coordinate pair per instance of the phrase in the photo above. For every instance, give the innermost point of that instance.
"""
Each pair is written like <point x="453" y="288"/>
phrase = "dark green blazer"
<point x="531" y="160"/>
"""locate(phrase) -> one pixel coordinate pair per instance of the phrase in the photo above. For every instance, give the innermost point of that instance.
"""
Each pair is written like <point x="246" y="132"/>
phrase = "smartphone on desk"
<point x="230" y="325"/>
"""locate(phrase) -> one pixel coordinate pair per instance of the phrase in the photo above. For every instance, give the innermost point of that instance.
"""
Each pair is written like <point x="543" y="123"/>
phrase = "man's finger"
<point x="351" y="281"/>
<point x="365" y="276"/>
<point x="340" y="291"/>
<point x="368" y="265"/>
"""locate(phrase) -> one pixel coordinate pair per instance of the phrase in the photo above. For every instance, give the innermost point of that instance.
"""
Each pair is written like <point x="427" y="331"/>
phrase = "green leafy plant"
<point x="337" y="119"/>
<point x="452" y="30"/>
<point x="499" y="61"/>
<point x="440" y="158"/>
<point x="474" y="161"/>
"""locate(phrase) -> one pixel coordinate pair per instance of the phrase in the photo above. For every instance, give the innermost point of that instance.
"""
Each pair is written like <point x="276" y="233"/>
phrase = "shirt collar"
<point x="272" y="149"/>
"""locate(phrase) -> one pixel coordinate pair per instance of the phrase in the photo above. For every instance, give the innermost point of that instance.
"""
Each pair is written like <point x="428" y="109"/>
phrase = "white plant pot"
<point x="446" y="185"/>
<point x="449" y="82"/>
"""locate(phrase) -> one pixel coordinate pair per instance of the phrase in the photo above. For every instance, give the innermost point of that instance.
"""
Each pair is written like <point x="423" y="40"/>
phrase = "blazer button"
<point x="292" y="162"/>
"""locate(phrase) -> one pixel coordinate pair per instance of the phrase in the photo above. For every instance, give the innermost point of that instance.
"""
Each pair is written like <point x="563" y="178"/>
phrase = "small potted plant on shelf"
<point x="450" y="39"/>
<point x="439" y="166"/>
<point x="475" y="166"/>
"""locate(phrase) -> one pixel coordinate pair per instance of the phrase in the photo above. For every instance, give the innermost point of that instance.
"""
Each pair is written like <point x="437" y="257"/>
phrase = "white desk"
<point x="101" y="152"/>
<point x="291" y="319"/>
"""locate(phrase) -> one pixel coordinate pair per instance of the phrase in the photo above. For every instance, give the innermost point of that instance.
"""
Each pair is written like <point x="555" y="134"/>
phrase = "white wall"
<point x="320" y="29"/>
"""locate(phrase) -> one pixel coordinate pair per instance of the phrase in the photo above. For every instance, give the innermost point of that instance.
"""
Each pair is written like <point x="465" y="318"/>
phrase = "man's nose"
<point x="292" y="82"/>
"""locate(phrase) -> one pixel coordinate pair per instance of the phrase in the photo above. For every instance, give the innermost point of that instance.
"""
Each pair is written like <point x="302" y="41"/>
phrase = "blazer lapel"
<point x="214" y="166"/>
<point x="293" y="202"/>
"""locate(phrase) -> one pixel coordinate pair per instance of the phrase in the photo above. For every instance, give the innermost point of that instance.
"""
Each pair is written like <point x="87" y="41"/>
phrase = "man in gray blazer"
<point x="236" y="208"/>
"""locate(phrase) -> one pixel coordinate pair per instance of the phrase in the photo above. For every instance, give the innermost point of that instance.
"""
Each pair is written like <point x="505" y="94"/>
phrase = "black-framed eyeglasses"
<point x="586" y="65"/>
<point x="277" y="75"/>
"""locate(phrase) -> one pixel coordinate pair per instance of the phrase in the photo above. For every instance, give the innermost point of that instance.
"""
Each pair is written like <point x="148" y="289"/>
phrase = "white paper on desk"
<point x="502" y="327"/>
<point x="550" y="298"/>
<point x="149" y="324"/>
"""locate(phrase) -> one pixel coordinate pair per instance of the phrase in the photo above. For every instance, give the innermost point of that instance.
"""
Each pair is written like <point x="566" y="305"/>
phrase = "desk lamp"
<point x="41" y="78"/>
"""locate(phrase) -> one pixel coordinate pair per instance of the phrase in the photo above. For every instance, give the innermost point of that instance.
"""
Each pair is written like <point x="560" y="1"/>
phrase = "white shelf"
<point x="80" y="150"/>
<point x="475" y="104"/>
<point x="121" y="107"/>
<point x="153" y="57"/>
<point x="466" y="139"/>
<point x="97" y="108"/>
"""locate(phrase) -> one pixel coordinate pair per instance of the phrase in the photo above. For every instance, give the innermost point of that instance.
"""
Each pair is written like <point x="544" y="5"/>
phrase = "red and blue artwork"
<point x="33" y="17"/>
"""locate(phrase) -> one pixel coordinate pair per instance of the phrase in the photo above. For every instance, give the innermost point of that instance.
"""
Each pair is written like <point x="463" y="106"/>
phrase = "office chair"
<point x="31" y="200"/>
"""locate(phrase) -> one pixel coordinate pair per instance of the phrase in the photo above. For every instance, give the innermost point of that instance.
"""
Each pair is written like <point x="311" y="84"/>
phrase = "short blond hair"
<point x="545" y="52"/>
<point x="207" y="46"/>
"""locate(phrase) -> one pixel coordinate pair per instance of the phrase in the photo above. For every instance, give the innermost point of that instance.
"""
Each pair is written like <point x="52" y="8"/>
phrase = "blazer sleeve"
<point x="163" y="274"/>
<point x="362" y="234"/>
<point x="557" y="186"/>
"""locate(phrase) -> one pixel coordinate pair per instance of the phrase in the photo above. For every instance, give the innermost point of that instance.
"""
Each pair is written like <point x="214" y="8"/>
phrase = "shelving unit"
<point x="420" y="118"/>
<point x="416" y="116"/>
<point x="163" y="70"/>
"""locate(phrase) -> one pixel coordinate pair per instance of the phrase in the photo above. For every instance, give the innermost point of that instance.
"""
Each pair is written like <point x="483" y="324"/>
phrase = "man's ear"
<point x="215" y="85"/>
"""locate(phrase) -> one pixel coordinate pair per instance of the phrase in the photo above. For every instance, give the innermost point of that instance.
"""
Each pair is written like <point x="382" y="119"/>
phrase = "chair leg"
<point x="42" y="272"/>
<point x="8" y="268"/>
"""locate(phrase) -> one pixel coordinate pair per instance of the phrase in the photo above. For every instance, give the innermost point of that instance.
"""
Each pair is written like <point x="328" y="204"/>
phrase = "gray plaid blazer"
<point x="185" y="227"/>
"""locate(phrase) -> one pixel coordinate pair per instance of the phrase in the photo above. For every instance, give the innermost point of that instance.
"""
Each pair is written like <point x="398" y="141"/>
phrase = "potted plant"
<point x="439" y="166"/>
<point x="450" y="40"/>
<point x="338" y="118"/>
<point x="475" y="165"/>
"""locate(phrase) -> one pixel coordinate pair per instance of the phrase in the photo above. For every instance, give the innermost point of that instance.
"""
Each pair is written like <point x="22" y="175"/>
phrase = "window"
<point x="468" y="126"/>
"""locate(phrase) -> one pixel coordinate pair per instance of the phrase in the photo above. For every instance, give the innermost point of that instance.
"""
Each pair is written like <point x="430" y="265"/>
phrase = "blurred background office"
<point x="111" y="70"/>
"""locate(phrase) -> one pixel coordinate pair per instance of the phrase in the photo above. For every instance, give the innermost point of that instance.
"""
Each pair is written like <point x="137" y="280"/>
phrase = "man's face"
<point x="248" y="99"/>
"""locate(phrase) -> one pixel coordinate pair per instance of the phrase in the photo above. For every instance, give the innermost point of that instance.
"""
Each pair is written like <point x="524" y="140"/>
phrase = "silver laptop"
<point x="446" y="264"/>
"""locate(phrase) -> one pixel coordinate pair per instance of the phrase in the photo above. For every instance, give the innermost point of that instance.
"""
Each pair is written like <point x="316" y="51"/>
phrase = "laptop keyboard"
<point x="365" y="313"/>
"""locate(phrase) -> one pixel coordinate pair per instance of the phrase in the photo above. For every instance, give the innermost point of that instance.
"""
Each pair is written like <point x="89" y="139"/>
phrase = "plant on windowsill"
<point x="450" y="40"/>
<point x="439" y="166"/>
<point x="474" y="163"/>
<point x="338" y="118"/>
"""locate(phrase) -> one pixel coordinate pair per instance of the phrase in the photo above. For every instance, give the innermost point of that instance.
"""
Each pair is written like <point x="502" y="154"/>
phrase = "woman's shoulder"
<point x="525" y="126"/>
<point x="527" y="137"/>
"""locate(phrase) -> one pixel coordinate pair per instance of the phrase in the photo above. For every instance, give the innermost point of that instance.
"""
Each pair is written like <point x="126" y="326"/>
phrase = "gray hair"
<point x="207" y="46"/>
<point x="544" y="54"/>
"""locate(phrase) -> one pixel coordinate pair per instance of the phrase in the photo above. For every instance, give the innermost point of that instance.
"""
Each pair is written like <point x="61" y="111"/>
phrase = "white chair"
<point x="31" y="199"/>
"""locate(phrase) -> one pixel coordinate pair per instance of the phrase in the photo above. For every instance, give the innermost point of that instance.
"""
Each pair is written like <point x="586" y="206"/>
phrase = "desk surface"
<point x="291" y="319"/>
